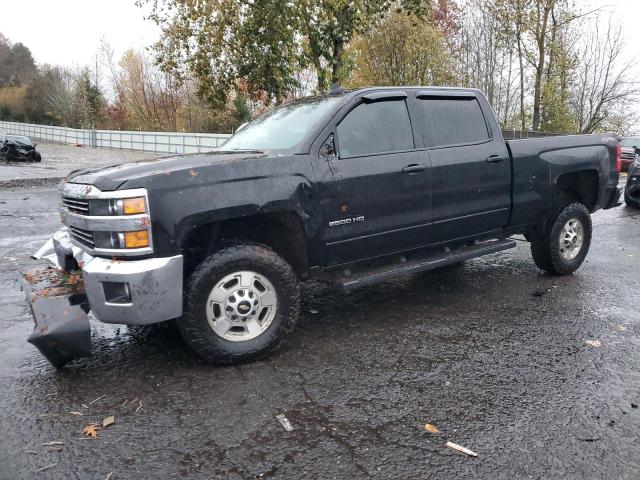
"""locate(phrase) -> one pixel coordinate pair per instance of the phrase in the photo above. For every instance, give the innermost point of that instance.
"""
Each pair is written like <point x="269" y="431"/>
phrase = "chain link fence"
<point x="518" y="134"/>
<point x="159" y="142"/>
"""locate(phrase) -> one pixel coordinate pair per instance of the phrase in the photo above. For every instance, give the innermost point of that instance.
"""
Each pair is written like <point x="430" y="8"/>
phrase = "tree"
<point x="606" y="88"/>
<point x="88" y="101"/>
<point x="223" y="42"/>
<point x="150" y="97"/>
<point x="402" y="50"/>
<point x="17" y="66"/>
<point x="262" y="43"/>
<point x="60" y="94"/>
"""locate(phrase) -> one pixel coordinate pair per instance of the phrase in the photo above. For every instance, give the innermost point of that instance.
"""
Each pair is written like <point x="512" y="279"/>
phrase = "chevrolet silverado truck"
<point x="354" y="187"/>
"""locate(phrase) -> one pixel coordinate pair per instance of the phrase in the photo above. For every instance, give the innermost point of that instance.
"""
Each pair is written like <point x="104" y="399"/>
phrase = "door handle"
<point x="414" y="168"/>
<point x="495" y="159"/>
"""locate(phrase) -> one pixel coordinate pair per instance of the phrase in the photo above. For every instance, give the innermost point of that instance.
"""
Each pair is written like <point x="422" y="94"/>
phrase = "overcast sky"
<point x="68" y="32"/>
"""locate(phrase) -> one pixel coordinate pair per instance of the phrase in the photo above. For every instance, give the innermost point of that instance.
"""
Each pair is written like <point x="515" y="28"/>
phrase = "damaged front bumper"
<point x="129" y="292"/>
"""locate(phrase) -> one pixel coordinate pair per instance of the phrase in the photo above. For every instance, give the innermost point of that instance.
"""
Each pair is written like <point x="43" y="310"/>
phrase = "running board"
<point x="381" y="274"/>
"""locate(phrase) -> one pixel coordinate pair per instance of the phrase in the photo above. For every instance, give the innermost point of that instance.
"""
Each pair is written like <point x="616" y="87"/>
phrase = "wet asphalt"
<point x="493" y="353"/>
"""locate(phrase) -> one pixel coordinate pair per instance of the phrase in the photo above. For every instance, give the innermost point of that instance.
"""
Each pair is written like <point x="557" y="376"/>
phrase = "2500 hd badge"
<point x="346" y="221"/>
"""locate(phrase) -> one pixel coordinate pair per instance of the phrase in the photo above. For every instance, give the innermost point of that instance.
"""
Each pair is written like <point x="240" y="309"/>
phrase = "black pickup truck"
<point x="354" y="187"/>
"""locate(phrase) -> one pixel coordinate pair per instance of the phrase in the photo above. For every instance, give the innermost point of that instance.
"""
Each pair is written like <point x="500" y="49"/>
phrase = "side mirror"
<point x="329" y="148"/>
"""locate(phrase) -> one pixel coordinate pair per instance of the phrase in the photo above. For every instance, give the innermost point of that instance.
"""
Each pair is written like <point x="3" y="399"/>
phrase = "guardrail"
<point x="159" y="142"/>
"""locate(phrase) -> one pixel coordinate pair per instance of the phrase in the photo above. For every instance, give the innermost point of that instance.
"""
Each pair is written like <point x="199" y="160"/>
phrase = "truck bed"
<point x="539" y="164"/>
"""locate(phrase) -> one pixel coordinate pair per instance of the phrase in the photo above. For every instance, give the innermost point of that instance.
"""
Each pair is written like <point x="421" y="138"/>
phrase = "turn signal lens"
<point x="132" y="206"/>
<point x="138" y="239"/>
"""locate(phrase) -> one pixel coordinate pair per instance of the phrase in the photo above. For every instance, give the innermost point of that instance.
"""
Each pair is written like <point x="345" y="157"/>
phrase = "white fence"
<point x="162" y="142"/>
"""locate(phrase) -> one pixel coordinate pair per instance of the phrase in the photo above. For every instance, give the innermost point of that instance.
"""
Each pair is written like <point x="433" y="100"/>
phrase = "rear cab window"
<point x="449" y="121"/>
<point x="374" y="128"/>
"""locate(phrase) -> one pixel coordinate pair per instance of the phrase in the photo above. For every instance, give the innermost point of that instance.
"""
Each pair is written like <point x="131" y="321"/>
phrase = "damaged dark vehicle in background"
<point x="632" y="188"/>
<point x="354" y="187"/>
<point x="18" y="148"/>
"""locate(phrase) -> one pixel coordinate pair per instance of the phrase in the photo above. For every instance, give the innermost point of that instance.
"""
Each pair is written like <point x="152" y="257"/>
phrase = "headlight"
<point x="107" y="223"/>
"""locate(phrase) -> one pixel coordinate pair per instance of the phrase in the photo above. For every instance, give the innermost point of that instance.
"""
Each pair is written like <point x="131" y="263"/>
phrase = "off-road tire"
<point x="545" y="245"/>
<point x="194" y="326"/>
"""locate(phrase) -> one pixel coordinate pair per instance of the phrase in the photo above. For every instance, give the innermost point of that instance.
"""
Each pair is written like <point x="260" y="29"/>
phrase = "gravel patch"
<point x="59" y="160"/>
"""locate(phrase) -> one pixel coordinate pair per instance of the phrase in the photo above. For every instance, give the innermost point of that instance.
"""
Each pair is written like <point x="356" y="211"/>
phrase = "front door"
<point x="376" y="190"/>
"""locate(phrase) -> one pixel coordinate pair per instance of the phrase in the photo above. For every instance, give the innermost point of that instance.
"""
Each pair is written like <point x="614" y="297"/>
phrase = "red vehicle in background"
<point x="630" y="149"/>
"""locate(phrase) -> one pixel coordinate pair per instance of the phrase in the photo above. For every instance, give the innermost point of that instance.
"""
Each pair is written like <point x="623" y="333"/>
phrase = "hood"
<point x="111" y="177"/>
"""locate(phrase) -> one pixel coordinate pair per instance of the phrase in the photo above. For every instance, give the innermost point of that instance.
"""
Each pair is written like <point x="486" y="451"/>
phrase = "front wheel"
<point x="562" y="248"/>
<point x="239" y="304"/>
<point x="629" y="202"/>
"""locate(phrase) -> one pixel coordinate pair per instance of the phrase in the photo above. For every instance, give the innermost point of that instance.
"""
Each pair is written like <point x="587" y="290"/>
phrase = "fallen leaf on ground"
<point x="462" y="449"/>
<point x="593" y="343"/>
<point x="91" y="430"/>
<point x="431" y="428"/>
<point x="110" y="420"/>
<point x="76" y="413"/>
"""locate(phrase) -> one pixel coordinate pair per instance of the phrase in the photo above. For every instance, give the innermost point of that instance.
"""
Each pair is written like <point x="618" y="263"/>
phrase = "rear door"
<point x="471" y="170"/>
<point x="376" y="191"/>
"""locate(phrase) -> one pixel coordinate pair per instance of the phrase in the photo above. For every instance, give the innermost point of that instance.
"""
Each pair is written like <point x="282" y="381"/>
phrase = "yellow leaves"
<point x="431" y="428"/>
<point x="193" y="173"/>
<point x="91" y="430"/>
<point x="74" y="279"/>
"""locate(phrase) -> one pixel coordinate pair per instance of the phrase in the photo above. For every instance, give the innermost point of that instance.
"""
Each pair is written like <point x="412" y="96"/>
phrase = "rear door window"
<point x="452" y="121"/>
<point x="378" y="127"/>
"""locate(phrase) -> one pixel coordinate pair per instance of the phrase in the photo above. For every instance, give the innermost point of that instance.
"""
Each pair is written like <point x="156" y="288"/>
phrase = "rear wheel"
<point x="563" y="246"/>
<point x="239" y="304"/>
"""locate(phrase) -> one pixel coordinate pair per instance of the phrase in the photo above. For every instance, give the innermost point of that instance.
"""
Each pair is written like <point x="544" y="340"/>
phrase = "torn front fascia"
<point x="58" y="305"/>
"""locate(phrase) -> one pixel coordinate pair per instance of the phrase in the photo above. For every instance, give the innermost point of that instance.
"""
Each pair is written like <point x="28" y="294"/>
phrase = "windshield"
<point x="630" y="142"/>
<point x="18" y="139"/>
<point x="283" y="127"/>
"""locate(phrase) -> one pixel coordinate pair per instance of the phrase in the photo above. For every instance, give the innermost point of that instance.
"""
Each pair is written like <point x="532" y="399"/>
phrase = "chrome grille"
<point x="628" y="155"/>
<point x="84" y="237"/>
<point x="76" y="205"/>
